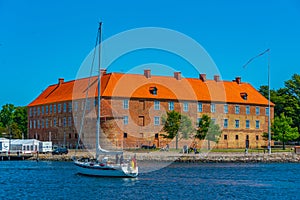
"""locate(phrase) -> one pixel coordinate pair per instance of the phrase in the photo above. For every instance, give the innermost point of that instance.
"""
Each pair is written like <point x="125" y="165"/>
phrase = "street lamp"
<point x="269" y="113"/>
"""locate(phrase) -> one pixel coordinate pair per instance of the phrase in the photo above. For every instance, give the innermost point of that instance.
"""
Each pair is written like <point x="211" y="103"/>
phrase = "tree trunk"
<point x="176" y="141"/>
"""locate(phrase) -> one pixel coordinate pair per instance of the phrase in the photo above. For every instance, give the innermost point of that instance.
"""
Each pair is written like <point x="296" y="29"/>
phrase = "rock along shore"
<point x="286" y="157"/>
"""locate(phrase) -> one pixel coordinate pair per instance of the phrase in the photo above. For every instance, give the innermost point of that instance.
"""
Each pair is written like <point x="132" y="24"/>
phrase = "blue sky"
<point x="41" y="41"/>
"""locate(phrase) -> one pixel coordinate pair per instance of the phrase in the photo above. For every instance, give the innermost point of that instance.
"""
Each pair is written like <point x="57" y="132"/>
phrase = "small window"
<point x="244" y="95"/>
<point x="125" y="104"/>
<point x="69" y="121"/>
<point x="257" y="110"/>
<point x="171" y="105"/>
<point x="247" y="123"/>
<point x="70" y="106"/>
<point x="267" y="111"/>
<point x="185" y="106"/>
<point x="125" y="120"/>
<point x="38" y="111"/>
<point x="153" y="90"/>
<point x="124" y="135"/>
<point x="156" y="136"/>
<point x="257" y="124"/>
<point x="70" y="135"/>
<point x="237" y="109"/>
<point x="47" y="109"/>
<point x="64" y="122"/>
<point x="76" y="135"/>
<point x="247" y="137"/>
<point x="225" y="125"/>
<point x="199" y="107"/>
<point x="50" y="109"/>
<point x="59" y="108"/>
<point x="156" y="105"/>
<point x="65" y="107"/>
<point x="236" y="137"/>
<point x="257" y="137"/>
<point x="237" y="123"/>
<point x="225" y="137"/>
<point x="247" y="110"/>
<point x="225" y="108"/>
<point x="54" y="108"/>
<point x="156" y="120"/>
<point x="47" y="123"/>
<point x="213" y="108"/>
<point x="43" y="110"/>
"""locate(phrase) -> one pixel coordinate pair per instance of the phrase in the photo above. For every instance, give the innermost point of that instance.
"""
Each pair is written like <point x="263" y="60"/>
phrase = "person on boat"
<point x="121" y="159"/>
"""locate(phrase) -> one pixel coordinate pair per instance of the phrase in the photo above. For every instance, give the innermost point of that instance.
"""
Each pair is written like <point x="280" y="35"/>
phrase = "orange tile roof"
<point x="137" y="86"/>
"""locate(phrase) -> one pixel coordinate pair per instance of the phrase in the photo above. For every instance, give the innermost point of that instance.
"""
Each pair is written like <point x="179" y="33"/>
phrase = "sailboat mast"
<point x="99" y="92"/>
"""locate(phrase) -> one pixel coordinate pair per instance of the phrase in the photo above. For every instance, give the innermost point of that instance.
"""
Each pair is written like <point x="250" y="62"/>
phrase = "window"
<point x="226" y="108"/>
<point x="65" y="107"/>
<point x="257" y="124"/>
<point x="124" y="135"/>
<point x="225" y="123"/>
<point x="38" y="111"/>
<point x="125" y="104"/>
<point x="54" y="108"/>
<point x="75" y="121"/>
<point x="156" y="120"/>
<point x="34" y="111"/>
<point x="125" y="120"/>
<point x="54" y="122"/>
<point x="64" y="122"/>
<point x="47" y="123"/>
<point x="247" y="123"/>
<point x="70" y="106"/>
<point x="47" y="110"/>
<point x="69" y="121"/>
<point x="237" y="137"/>
<point x="30" y="112"/>
<point x="237" y="109"/>
<point x="76" y="106"/>
<point x="88" y="104"/>
<point x="225" y="137"/>
<point x="42" y="123"/>
<point x="70" y="135"/>
<point x="34" y="124"/>
<point x="257" y="110"/>
<point x="156" y="136"/>
<point x="30" y="124"/>
<point x="237" y="123"/>
<point x="156" y="105"/>
<point x="257" y="137"/>
<point x="199" y="107"/>
<point x="171" y="105"/>
<point x="38" y="124"/>
<point x="267" y="111"/>
<point x="213" y="108"/>
<point x="185" y="106"/>
<point x="247" y="110"/>
<point x="50" y="109"/>
<point x="43" y="110"/>
<point x="59" y="108"/>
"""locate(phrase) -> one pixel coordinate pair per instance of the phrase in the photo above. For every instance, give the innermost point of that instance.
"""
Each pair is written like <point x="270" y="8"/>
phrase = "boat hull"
<point x="104" y="171"/>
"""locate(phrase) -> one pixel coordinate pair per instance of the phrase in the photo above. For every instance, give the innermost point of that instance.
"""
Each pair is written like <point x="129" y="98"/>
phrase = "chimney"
<point x="177" y="75"/>
<point x="147" y="73"/>
<point x="202" y="77"/>
<point x="60" y="81"/>
<point x="238" y="80"/>
<point x="217" y="78"/>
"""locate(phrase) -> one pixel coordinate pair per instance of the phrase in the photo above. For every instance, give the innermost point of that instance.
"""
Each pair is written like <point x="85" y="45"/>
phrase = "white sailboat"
<point x="102" y="166"/>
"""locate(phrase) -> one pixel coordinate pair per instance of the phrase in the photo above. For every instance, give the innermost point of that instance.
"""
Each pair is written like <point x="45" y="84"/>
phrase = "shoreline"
<point x="220" y="157"/>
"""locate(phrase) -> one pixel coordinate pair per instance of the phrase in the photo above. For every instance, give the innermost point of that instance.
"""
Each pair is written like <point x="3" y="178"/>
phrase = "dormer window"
<point x="153" y="90"/>
<point x="244" y="95"/>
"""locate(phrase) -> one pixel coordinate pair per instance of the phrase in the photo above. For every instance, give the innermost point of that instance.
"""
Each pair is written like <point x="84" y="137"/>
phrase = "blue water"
<point x="58" y="180"/>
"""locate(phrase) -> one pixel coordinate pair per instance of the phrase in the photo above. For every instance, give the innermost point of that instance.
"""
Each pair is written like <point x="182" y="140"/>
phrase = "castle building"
<point x="133" y="105"/>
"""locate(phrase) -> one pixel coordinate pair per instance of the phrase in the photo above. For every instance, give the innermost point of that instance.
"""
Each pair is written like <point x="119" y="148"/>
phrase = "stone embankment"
<point x="179" y="157"/>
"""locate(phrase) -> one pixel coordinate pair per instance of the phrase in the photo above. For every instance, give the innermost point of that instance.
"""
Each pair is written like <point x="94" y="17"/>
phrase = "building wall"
<point x="141" y="127"/>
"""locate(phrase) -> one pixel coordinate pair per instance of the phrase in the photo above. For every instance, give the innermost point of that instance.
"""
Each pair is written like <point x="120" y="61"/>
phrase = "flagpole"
<point x="269" y="94"/>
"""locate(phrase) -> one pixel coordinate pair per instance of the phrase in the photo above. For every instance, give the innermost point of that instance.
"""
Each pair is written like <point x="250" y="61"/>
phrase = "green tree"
<point x="175" y="124"/>
<point x="282" y="131"/>
<point x="208" y="129"/>
<point x="13" y="121"/>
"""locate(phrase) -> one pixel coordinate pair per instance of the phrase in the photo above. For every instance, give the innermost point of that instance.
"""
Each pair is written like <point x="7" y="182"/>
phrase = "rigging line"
<point x="87" y="92"/>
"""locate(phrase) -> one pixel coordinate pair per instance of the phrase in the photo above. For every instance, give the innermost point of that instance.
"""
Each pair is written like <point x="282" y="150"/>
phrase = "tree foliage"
<point x="175" y="123"/>
<point x="208" y="129"/>
<point x="287" y="101"/>
<point x="13" y="121"/>
<point x="281" y="129"/>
